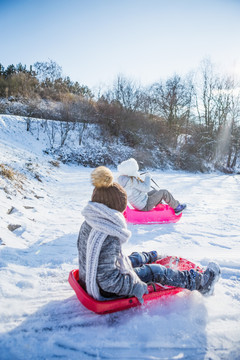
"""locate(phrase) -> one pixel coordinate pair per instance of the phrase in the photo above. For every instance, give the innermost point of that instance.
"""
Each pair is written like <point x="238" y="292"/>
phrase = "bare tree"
<point x="234" y="146"/>
<point x="205" y="89"/>
<point x="126" y="92"/>
<point x="172" y="99"/>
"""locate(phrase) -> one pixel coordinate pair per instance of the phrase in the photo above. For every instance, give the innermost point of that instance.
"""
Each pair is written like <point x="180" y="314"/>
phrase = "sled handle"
<point x="153" y="285"/>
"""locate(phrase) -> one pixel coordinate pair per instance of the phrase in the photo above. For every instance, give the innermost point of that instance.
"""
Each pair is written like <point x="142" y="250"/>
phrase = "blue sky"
<point x="146" y="40"/>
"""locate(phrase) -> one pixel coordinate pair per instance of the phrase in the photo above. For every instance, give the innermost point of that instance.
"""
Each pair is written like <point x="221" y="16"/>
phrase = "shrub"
<point x="54" y="163"/>
<point x="7" y="172"/>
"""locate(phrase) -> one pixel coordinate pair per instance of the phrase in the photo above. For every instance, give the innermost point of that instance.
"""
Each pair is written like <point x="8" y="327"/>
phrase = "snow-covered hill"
<point x="40" y="316"/>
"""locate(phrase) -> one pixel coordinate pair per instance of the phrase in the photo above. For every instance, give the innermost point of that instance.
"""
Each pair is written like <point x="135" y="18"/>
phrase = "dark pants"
<point x="158" y="273"/>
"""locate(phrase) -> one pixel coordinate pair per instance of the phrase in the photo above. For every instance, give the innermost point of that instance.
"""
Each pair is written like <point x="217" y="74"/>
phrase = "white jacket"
<point x="136" y="190"/>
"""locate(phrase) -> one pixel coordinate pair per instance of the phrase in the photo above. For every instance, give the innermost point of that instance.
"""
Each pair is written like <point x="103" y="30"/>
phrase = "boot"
<point x="152" y="256"/>
<point x="209" y="278"/>
<point x="180" y="208"/>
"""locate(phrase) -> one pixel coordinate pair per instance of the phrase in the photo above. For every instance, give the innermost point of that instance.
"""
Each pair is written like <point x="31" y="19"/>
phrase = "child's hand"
<point x="139" y="290"/>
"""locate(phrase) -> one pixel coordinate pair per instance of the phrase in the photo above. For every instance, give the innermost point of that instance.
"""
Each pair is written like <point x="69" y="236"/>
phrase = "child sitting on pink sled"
<point x="139" y="192"/>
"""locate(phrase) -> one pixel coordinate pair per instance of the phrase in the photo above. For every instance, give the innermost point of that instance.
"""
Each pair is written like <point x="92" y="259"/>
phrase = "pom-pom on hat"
<point x="102" y="177"/>
<point x="129" y="167"/>
<point x="106" y="191"/>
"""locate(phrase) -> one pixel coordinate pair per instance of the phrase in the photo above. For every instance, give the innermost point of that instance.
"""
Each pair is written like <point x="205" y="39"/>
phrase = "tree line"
<point x="191" y="120"/>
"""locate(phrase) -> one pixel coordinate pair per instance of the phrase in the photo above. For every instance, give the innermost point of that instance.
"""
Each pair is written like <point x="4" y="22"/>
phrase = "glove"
<point x="148" y="175"/>
<point x="139" y="290"/>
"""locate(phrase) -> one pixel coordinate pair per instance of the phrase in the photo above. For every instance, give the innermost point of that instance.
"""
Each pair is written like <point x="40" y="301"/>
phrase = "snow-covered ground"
<point x="40" y="316"/>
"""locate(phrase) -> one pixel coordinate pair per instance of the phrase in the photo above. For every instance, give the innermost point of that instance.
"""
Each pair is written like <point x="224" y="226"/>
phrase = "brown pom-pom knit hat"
<point x="106" y="191"/>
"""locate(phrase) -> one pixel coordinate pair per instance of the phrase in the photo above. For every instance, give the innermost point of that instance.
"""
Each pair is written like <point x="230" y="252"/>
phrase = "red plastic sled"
<point x="161" y="214"/>
<point x="109" y="306"/>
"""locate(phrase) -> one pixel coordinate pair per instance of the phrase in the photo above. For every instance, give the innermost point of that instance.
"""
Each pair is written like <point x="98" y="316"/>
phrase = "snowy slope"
<point x="40" y="316"/>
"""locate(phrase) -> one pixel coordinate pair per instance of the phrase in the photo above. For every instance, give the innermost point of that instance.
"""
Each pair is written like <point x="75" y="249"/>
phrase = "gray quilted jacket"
<point x="109" y="278"/>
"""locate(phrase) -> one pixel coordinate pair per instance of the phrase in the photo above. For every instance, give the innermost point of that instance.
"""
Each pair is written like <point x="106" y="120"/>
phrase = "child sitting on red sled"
<point x="139" y="192"/>
<point x="103" y="269"/>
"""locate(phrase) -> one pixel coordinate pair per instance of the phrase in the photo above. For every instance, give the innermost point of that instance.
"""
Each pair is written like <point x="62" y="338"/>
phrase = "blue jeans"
<point x="139" y="258"/>
<point x="158" y="273"/>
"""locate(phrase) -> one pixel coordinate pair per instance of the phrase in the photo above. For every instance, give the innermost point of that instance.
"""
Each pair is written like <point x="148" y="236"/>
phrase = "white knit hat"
<point x="129" y="168"/>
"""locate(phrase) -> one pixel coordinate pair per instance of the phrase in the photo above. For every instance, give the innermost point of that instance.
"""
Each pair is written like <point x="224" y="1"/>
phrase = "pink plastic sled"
<point x="161" y="214"/>
<point x="156" y="291"/>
